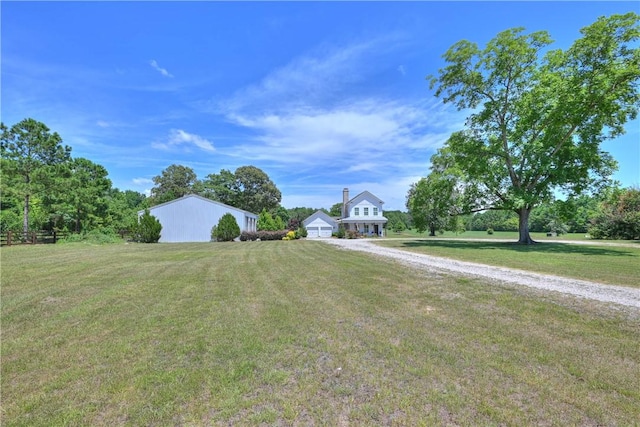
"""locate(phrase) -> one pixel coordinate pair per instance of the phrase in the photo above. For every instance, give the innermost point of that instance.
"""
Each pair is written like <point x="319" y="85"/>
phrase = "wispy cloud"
<point x="318" y="77"/>
<point x="159" y="69"/>
<point x="365" y="132"/>
<point x="179" y="138"/>
<point x="142" y="181"/>
<point x="311" y="117"/>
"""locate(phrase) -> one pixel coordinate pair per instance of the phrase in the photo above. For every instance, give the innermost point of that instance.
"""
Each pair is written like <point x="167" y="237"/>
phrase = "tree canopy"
<point x="173" y="182"/>
<point x="538" y="116"/>
<point x="248" y="188"/>
<point x="30" y="151"/>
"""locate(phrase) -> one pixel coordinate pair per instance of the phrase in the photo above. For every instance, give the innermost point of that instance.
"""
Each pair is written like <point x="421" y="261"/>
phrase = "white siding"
<point x="191" y="218"/>
<point x="319" y="228"/>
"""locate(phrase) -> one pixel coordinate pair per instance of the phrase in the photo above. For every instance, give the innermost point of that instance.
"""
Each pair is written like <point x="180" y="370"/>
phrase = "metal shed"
<point x="191" y="218"/>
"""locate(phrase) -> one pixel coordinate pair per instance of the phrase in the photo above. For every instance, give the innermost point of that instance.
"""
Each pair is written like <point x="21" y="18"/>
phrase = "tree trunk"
<point x="25" y="218"/>
<point x="432" y="230"/>
<point x="523" y="227"/>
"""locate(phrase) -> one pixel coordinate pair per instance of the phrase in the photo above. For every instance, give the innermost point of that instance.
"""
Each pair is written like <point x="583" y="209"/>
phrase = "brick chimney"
<point x="345" y="200"/>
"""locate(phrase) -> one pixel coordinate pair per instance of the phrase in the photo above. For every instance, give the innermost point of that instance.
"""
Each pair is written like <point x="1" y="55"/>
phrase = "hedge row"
<point x="263" y="235"/>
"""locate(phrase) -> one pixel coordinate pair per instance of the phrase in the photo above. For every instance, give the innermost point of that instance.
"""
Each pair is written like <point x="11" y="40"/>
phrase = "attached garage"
<point x="320" y="225"/>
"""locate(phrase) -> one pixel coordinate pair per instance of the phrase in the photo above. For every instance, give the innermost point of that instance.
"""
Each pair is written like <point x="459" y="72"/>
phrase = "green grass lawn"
<point x="606" y="264"/>
<point x="501" y="235"/>
<point x="297" y="333"/>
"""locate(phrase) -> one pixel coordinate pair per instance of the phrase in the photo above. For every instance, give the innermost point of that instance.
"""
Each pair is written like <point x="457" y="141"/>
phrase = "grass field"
<point x="297" y="333"/>
<point x="508" y="235"/>
<point x="598" y="263"/>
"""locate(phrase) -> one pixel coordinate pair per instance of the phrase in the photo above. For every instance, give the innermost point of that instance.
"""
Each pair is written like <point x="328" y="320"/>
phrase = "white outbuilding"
<point x="191" y="218"/>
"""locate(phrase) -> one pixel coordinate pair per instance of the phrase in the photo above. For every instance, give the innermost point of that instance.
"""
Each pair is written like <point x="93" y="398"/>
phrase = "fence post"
<point x="34" y="239"/>
<point x="54" y="236"/>
<point x="9" y="235"/>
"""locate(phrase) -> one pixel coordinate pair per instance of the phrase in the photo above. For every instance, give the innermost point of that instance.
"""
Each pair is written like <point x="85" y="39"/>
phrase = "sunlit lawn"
<point x="503" y="235"/>
<point x="606" y="264"/>
<point x="297" y="333"/>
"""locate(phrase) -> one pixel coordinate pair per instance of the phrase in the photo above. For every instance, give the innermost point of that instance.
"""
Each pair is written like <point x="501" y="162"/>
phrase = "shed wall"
<point x="191" y="219"/>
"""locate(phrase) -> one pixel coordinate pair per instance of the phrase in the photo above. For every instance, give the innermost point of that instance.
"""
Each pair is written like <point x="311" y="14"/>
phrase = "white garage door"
<point x="325" y="231"/>
<point x="313" y="232"/>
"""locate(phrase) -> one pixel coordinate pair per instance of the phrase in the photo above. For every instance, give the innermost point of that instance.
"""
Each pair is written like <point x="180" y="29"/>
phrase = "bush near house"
<point x="226" y="230"/>
<point x="263" y="235"/>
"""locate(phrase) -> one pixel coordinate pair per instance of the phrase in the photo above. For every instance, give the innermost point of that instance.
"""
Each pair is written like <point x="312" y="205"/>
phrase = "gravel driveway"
<point x="591" y="290"/>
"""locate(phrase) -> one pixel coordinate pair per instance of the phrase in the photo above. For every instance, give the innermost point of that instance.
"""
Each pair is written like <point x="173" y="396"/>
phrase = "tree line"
<point x="42" y="187"/>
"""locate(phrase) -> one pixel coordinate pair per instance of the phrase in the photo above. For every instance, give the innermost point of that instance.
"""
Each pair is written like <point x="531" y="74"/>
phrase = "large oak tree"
<point x="538" y="116"/>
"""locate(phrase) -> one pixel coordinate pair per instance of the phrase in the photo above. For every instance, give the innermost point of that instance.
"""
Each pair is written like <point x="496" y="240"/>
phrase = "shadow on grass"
<point x="540" y="247"/>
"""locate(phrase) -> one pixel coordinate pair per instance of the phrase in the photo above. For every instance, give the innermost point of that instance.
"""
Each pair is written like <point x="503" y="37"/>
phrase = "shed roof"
<point x="249" y="214"/>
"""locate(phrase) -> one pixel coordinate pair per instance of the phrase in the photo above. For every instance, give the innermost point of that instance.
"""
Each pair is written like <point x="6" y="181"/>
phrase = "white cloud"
<point x="368" y="132"/>
<point x="142" y="181"/>
<point x="159" y="69"/>
<point x="402" y="70"/>
<point x="178" y="137"/>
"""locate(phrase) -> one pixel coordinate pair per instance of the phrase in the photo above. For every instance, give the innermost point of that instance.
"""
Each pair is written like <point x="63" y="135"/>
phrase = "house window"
<point x="366" y="227"/>
<point x="375" y="211"/>
<point x="356" y="211"/>
<point x="366" y="211"/>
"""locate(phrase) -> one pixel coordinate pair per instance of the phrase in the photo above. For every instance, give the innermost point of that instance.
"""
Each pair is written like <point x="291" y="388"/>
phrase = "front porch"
<point x="364" y="228"/>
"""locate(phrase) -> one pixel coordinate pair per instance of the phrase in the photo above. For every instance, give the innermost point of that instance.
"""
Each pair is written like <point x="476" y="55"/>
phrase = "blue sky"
<point x="319" y="95"/>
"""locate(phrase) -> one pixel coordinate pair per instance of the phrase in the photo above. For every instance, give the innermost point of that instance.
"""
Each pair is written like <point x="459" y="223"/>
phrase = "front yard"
<point x="297" y="333"/>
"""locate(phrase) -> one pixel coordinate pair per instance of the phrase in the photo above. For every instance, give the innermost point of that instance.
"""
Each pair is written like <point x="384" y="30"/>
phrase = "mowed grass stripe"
<point x="297" y="333"/>
<point x="596" y="263"/>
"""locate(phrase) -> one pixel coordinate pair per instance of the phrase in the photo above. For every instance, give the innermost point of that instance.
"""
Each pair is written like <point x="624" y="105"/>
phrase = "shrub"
<point x="301" y="232"/>
<point x="489" y="230"/>
<point x="96" y="236"/>
<point x="226" y="230"/>
<point x="341" y="232"/>
<point x="263" y="235"/>
<point x="352" y="234"/>
<point x="291" y="235"/>
<point x="148" y="229"/>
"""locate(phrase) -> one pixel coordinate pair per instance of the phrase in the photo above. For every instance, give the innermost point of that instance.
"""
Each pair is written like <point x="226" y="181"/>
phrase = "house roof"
<point x="319" y="215"/>
<point x="362" y="196"/>
<point x="250" y="214"/>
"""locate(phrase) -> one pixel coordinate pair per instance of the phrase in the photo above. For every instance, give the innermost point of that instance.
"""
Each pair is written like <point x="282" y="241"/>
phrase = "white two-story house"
<point x="362" y="214"/>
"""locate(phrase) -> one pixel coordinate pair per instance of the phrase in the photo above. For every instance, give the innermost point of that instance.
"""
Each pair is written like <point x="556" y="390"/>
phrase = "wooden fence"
<point x="31" y="238"/>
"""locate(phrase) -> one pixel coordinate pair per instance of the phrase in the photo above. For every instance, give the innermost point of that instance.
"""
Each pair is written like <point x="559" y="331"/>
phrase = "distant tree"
<point x="227" y="229"/>
<point x="433" y="202"/>
<point x="85" y="201"/>
<point x="336" y="210"/>
<point x="537" y="124"/>
<point x="220" y="187"/>
<point x="300" y="214"/>
<point x="396" y="225"/>
<point x="248" y="188"/>
<point x="31" y="154"/>
<point x="283" y="214"/>
<point x="122" y="208"/>
<point x="148" y="229"/>
<point x="174" y="182"/>
<point x="255" y="191"/>
<point x="618" y="216"/>
<point x="397" y="217"/>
